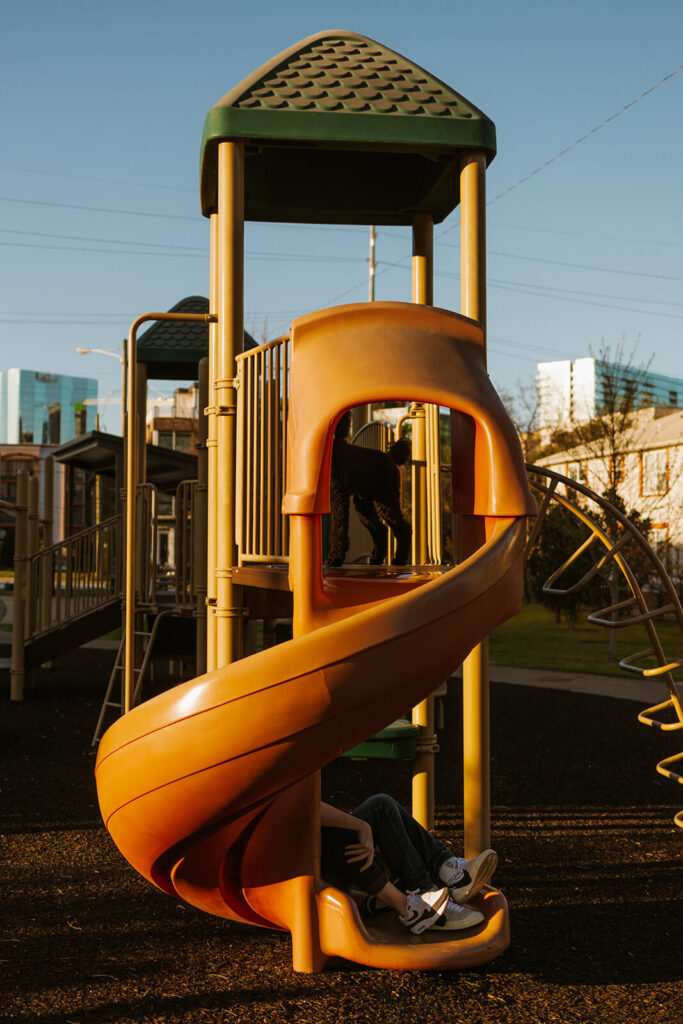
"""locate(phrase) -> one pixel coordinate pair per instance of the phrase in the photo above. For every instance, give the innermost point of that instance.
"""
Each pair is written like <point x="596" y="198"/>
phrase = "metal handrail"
<point x="74" y="576"/>
<point x="262" y="405"/>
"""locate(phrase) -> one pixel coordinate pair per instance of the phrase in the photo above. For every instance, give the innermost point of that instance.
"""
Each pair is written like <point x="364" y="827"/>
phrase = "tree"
<point x="600" y="444"/>
<point x="522" y="408"/>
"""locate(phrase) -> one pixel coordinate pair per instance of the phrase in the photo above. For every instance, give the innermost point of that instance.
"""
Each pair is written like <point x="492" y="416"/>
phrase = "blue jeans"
<point x="412" y="854"/>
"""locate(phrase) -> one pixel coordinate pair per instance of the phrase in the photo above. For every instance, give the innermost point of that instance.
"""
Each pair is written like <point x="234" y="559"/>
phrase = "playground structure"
<point x="198" y="786"/>
<point x="366" y="645"/>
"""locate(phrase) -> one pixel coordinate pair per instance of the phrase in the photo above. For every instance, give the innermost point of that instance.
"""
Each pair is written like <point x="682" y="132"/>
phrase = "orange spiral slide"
<point x="211" y="789"/>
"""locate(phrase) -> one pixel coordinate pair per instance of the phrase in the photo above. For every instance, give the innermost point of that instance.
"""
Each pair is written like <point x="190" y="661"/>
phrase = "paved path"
<point x="624" y="687"/>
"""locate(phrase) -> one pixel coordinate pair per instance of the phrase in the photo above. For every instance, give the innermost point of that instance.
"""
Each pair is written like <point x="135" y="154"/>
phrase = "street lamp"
<point x="123" y="360"/>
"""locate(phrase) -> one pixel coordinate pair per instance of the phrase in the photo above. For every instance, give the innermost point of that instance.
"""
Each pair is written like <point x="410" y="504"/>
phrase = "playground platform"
<point x="590" y="863"/>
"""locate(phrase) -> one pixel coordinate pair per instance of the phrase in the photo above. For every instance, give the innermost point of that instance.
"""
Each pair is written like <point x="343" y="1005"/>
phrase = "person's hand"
<point x="363" y="851"/>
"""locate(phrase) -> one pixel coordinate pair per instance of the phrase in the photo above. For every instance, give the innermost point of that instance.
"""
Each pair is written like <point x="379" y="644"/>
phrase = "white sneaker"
<point x="424" y="909"/>
<point x="457" y="917"/>
<point x="464" y="878"/>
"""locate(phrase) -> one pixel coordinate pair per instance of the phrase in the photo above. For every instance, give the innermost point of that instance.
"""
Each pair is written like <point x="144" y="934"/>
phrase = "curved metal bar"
<point x="645" y="616"/>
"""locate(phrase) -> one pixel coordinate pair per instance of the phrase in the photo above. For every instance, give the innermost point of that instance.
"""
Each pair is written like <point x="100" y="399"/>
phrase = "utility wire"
<point x="104" y="241"/>
<point x="89" y="177"/>
<point x="588" y="134"/>
<point x="576" y="142"/>
<point x="100" y="209"/>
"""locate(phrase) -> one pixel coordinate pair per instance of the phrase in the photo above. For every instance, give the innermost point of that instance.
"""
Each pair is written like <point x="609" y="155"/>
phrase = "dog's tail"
<point x="400" y="451"/>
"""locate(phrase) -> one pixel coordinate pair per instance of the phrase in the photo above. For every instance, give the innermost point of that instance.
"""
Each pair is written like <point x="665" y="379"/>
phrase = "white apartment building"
<point x="650" y="455"/>
<point x="572" y="390"/>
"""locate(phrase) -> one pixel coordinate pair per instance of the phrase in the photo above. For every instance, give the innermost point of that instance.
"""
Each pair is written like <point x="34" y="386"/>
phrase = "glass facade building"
<point x="45" y="408"/>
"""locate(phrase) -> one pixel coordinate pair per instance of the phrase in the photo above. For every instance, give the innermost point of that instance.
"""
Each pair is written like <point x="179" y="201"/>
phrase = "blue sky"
<point x="103" y="106"/>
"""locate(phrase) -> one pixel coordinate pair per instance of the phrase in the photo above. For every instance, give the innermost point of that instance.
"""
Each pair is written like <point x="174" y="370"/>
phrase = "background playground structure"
<point x="249" y="466"/>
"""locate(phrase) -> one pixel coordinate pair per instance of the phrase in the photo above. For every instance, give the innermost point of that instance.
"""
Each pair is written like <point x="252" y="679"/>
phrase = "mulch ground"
<point x="590" y="863"/>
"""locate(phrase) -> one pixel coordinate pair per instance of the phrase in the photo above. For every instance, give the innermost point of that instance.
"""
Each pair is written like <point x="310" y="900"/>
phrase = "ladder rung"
<point x="647" y="717"/>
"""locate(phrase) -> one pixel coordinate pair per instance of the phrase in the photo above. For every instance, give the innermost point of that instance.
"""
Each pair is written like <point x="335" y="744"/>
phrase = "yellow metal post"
<point x="212" y="461"/>
<point x="199" y="524"/>
<point x="48" y="499"/>
<point x="423" y="714"/>
<point x="48" y="519"/>
<point x="132" y="441"/>
<point x="229" y="343"/>
<point x="476" y="738"/>
<point x="32" y="549"/>
<point x="131" y="482"/>
<point x="18" y="673"/>
<point x="419" y="483"/>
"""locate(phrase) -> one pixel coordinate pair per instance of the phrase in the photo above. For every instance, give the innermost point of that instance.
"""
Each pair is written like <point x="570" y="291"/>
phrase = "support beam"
<point x="423" y="714"/>
<point x="476" y="737"/>
<point x="212" y="461"/>
<point x="229" y="343"/>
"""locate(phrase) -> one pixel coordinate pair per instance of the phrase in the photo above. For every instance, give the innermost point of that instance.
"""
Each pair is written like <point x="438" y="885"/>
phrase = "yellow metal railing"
<point x="186" y="521"/>
<point x="73" y="577"/>
<point x="262" y="399"/>
<point x="634" y="609"/>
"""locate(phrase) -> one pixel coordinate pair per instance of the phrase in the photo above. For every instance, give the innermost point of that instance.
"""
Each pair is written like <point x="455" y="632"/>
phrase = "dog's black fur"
<point x="372" y="479"/>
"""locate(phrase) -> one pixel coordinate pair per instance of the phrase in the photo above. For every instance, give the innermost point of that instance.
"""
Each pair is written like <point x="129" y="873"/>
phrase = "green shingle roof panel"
<point x="341" y="128"/>
<point x="172" y="348"/>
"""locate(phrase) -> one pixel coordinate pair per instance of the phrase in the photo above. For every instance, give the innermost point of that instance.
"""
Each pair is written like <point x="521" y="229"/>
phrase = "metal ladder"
<point x="610" y="616"/>
<point x="116" y="677"/>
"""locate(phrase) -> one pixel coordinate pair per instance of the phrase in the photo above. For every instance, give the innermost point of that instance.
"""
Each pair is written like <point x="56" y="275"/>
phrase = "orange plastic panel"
<point x="376" y="351"/>
<point x="210" y="790"/>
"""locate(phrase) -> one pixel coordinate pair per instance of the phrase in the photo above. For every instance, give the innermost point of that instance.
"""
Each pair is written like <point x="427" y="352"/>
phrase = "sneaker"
<point x="457" y="917"/>
<point x="424" y="909"/>
<point x="464" y="878"/>
<point x="374" y="905"/>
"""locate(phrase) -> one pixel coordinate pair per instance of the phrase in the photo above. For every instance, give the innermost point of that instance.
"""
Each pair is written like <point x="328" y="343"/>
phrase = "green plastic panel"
<point x="398" y="740"/>
<point x="339" y="128"/>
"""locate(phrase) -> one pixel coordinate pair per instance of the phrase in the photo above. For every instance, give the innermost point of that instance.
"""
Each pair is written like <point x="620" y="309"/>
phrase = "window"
<point x="654" y="472"/>
<point x="165" y="438"/>
<point x="659" y="537"/>
<point x="673" y="398"/>
<point x="183" y="441"/>
<point x="577" y="471"/>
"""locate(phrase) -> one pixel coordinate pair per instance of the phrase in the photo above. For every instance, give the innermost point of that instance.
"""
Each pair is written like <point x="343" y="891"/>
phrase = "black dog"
<point x="372" y="479"/>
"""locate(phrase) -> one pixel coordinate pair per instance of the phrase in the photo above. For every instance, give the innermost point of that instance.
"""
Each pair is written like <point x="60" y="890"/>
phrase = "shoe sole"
<point x="447" y="924"/>
<point x="483" y="874"/>
<point x="426" y="922"/>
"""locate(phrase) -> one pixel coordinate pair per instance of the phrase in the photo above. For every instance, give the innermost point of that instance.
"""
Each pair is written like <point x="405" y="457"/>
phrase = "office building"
<point x="45" y="408"/>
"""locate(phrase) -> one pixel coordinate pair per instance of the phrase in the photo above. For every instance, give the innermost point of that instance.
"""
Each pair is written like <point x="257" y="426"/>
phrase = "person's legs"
<point x="336" y="869"/>
<point x="412" y="852"/>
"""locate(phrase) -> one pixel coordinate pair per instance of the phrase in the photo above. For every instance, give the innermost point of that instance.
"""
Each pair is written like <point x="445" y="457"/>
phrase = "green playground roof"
<point x="341" y="129"/>
<point x="172" y="348"/>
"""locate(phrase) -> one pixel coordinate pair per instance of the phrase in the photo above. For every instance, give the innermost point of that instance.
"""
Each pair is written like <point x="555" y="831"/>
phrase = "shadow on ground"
<point x="590" y="863"/>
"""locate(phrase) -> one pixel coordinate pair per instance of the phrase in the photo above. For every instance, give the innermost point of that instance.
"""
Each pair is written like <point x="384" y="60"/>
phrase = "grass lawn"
<point x="534" y="640"/>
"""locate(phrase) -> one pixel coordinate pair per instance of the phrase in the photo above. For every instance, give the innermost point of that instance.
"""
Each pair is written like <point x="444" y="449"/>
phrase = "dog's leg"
<point x="370" y="520"/>
<point x="339" y="529"/>
<point x="401" y="529"/>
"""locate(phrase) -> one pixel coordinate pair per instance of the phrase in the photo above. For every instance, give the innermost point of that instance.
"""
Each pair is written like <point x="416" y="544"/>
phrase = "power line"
<point x="587" y="135"/>
<point x="590" y="302"/>
<point x="572" y="145"/>
<point x="89" y="177"/>
<point x="581" y="292"/>
<point x="575" y="266"/>
<point x="584" y="266"/>
<point x="107" y="241"/>
<point x="101" y="209"/>
<point x="577" y="234"/>
<point x="288" y="256"/>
